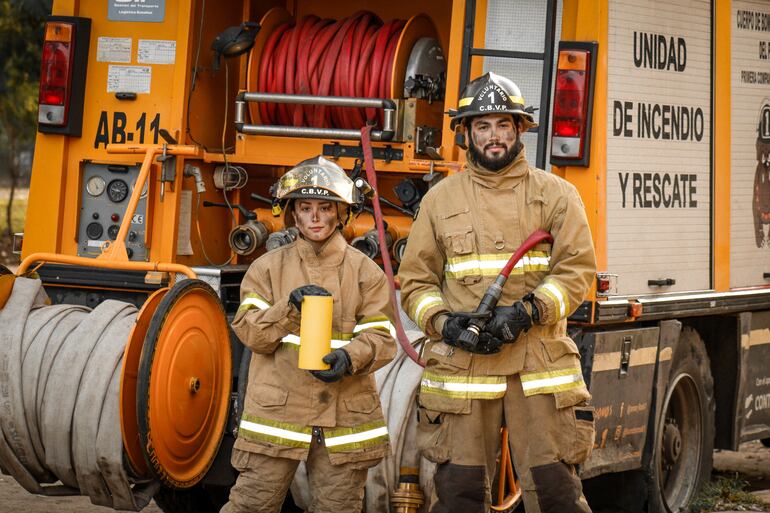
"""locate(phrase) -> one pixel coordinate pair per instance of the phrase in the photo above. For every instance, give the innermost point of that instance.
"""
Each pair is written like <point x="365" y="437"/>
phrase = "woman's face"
<point x="315" y="219"/>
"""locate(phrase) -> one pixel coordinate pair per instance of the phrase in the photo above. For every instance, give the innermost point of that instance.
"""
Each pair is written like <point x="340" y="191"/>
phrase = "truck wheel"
<point x="684" y="437"/>
<point x="198" y="499"/>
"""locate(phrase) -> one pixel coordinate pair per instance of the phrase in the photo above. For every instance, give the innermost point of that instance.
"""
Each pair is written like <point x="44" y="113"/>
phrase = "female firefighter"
<point x="331" y="418"/>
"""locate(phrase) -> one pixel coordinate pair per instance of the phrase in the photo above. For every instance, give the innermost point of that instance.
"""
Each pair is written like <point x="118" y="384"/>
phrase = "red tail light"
<point x="572" y="104"/>
<point x="63" y="75"/>
<point x="56" y="73"/>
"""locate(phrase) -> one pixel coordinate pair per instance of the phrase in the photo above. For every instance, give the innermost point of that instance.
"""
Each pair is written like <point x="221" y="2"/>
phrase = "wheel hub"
<point x="672" y="443"/>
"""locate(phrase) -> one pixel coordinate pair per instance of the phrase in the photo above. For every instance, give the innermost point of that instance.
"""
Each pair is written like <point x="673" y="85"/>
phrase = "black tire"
<point x="198" y="499"/>
<point x="684" y="437"/>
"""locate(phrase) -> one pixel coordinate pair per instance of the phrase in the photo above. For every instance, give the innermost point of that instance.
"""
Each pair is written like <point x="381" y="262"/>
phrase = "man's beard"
<point x="497" y="163"/>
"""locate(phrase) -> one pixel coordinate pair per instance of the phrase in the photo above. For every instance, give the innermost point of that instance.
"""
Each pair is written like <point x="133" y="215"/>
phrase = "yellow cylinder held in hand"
<point x="315" y="332"/>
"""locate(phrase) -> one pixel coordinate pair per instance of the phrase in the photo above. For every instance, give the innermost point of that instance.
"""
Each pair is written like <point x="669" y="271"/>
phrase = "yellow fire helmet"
<point x="317" y="178"/>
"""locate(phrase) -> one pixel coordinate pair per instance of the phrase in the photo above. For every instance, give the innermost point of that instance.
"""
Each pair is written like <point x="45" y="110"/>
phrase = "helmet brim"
<point x="527" y="119"/>
<point x="319" y="193"/>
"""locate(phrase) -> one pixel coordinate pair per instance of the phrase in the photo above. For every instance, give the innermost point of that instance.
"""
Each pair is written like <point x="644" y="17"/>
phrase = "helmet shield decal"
<point x="317" y="179"/>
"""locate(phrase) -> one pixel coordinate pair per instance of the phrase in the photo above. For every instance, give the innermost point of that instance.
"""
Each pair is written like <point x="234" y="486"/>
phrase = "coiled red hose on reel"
<point x="322" y="57"/>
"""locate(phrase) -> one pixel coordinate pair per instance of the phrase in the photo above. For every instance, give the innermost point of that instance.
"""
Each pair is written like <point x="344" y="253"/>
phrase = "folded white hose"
<point x="59" y="398"/>
<point x="397" y="385"/>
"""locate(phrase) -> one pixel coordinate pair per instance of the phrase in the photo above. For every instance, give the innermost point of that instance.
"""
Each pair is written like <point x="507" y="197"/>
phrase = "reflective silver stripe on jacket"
<point x="254" y="300"/>
<point x="492" y="264"/>
<point x="463" y="387"/>
<point x="554" y="291"/>
<point x="423" y="303"/>
<point x="294" y="340"/>
<point x="550" y="382"/>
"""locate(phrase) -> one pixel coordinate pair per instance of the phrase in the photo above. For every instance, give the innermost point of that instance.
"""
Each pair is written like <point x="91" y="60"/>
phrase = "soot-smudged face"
<point x="494" y="140"/>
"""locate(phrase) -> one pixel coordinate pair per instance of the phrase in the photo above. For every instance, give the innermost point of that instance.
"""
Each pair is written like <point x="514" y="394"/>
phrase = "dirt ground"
<point x="752" y="462"/>
<point x="14" y="499"/>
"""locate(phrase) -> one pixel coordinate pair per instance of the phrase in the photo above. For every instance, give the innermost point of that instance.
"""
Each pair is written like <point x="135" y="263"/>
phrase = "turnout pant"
<point x="546" y="443"/>
<point x="264" y="481"/>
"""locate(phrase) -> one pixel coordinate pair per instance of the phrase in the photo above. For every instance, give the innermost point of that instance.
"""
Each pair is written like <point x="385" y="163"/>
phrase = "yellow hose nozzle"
<point x="315" y="332"/>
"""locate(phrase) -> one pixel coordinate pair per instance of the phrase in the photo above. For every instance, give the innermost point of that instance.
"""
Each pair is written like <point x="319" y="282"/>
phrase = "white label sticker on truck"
<point x="129" y="79"/>
<point x="152" y="11"/>
<point x="658" y="145"/>
<point x="113" y="49"/>
<point x="750" y="144"/>
<point x="156" y="51"/>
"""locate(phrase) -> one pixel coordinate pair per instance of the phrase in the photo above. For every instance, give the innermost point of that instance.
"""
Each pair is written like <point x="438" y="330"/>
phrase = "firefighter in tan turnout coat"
<point x="525" y="371"/>
<point x="332" y="419"/>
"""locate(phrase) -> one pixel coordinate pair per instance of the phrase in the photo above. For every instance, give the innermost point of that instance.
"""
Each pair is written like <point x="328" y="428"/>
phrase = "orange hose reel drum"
<point x="184" y="382"/>
<point x="6" y="284"/>
<point x="360" y="56"/>
<point x="129" y="376"/>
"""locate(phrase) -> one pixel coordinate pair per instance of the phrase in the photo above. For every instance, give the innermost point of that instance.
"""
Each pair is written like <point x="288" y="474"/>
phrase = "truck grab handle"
<point x="386" y="134"/>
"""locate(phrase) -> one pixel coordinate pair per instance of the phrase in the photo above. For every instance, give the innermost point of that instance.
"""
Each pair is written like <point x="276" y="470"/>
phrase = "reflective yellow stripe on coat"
<point x="258" y="429"/>
<point x="339" y="439"/>
<point x="375" y="323"/>
<point x="343" y="439"/>
<point x="492" y="264"/>
<point x="556" y="294"/>
<point x="550" y="382"/>
<point x="463" y="387"/>
<point x="342" y="339"/>
<point x="292" y="341"/>
<point x="422" y="304"/>
<point x="254" y="300"/>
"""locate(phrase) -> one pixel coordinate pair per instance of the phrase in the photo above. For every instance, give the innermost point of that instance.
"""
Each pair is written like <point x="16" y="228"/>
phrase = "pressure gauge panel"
<point x="105" y="189"/>
<point x="95" y="186"/>
<point x="117" y="190"/>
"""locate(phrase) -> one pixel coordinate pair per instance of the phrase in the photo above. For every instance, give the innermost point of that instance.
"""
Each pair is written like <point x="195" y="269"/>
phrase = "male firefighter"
<point x="331" y="419"/>
<point x="525" y="371"/>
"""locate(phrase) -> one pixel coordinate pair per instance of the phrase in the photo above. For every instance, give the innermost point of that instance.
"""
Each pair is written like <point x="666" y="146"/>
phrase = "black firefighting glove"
<point x="339" y="363"/>
<point x="453" y="326"/>
<point x="487" y="344"/>
<point x="507" y="322"/>
<point x="456" y="323"/>
<point x="296" y="295"/>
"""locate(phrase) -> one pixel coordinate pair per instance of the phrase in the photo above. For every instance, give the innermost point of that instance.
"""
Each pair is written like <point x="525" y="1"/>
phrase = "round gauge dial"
<point x="144" y="189"/>
<point x="117" y="190"/>
<point x="95" y="185"/>
<point x="94" y="231"/>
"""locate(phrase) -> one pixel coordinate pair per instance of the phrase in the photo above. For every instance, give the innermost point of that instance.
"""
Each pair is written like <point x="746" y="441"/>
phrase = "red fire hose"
<point x="470" y="336"/>
<point x="351" y="57"/>
<point x="371" y="176"/>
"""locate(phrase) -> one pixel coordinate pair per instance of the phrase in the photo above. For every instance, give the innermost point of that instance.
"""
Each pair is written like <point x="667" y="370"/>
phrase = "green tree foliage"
<point x="21" y="36"/>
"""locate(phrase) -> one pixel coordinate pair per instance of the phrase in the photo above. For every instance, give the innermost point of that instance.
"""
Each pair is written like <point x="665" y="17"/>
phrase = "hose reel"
<point x="109" y="401"/>
<point x="183" y="385"/>
<point x="358" y="59"/>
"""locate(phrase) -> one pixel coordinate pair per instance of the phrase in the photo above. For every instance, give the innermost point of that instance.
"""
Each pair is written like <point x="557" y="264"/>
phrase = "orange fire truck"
<point x="162" y="124"/>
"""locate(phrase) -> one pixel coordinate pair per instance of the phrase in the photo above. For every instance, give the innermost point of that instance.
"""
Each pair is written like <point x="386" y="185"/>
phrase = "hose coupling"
<point x="281" y="238"/>
<point x="247" y="237"/>
<point x="407" y="498"/>
<point x="369" y="243"/>
<point x="398" y="249"/>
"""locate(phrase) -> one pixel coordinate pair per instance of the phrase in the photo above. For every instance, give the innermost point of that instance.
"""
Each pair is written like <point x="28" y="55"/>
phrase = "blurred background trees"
<point x="21" y="36"/>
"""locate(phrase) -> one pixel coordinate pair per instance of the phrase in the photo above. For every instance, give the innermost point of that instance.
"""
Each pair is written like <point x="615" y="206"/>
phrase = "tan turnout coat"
<point x="469" y="224"/>
<point x="283" y="403"/>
